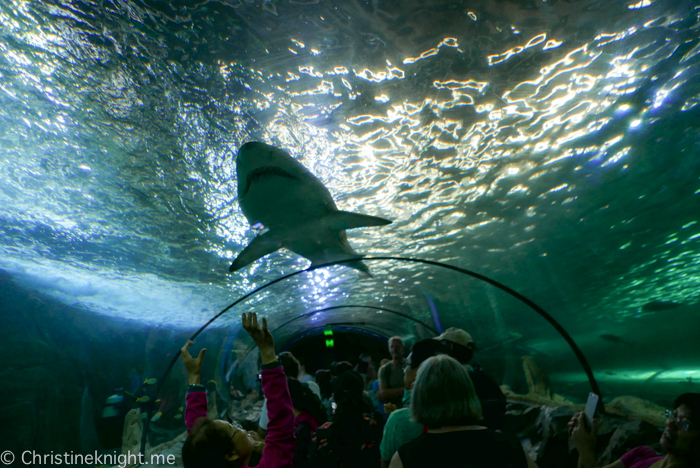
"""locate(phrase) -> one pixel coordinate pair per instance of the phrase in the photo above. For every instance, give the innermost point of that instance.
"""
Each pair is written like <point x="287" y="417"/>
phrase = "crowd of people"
<point x="433" y="407"/>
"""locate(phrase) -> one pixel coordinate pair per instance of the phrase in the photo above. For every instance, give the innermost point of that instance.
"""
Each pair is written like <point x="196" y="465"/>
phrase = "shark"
<point x="291" y="208"/>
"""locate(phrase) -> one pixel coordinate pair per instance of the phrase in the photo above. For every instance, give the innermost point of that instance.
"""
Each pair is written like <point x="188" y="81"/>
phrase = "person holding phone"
<point x="219" y="444"/>
<point x="680" y="440"/>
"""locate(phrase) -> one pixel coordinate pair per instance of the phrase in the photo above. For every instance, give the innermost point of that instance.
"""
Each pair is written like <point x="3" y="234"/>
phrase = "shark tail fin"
<point x="339" y="220"/>
<point x="262" y="245"/>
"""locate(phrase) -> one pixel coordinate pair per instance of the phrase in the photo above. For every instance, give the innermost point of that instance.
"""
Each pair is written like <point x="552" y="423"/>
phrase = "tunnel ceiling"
<point x="552" y="146"/>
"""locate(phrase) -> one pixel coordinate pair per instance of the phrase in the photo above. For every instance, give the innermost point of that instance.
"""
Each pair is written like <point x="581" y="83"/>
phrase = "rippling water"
<point x="550" y="145"/>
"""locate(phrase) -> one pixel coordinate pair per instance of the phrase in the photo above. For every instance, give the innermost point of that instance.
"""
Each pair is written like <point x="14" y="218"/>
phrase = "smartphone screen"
<point x="591" y="406"/>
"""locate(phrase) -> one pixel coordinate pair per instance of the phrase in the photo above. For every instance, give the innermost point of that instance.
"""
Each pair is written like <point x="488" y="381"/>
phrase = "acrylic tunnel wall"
<point x="78" y="370"/>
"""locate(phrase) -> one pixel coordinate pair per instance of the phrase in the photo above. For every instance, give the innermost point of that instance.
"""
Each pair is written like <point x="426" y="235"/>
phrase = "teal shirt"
<point x="406" y="398"/>
<point x="399" y="430"/>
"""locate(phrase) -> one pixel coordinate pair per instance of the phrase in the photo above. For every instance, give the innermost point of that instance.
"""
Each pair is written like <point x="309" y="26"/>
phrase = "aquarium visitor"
<point x="218" y="443"/>
<point x="460" y="345"/>
<point x="352" y="439"/>
<point x="309" y="413"/>
<point x="291" y="367"/>
<point x="680" y="440"/>
<point x="445" y="401"/>
<point x="391" y="374"/>
<point x="399" y="428"/>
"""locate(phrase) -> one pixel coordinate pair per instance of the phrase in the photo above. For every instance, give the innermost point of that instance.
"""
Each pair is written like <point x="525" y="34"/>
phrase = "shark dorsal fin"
<point x="339" y="220"/>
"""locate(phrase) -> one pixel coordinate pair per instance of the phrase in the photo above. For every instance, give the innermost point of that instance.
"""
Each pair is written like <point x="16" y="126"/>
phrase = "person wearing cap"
<point x="461" y="346"/>
<point x="391" y="385"/>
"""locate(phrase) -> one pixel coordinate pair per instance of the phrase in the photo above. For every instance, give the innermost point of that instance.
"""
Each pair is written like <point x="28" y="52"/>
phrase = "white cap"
<point x="457" y="336"/>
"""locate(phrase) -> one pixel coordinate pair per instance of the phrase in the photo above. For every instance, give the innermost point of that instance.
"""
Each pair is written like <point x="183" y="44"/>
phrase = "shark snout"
<point x="250" y="155"/>
<point x="254" y="155"/>
<point x="257" y="161"/>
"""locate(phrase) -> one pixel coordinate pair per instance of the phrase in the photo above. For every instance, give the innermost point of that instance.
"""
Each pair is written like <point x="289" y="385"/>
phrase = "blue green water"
<point x="553" y="146"/>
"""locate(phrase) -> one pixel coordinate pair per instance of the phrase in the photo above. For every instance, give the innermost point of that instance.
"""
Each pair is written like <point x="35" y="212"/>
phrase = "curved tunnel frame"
<point x="314" y="312"/>
<point x="383" y="309"/>
<point x="361" y="328"/>
<point x="579" y="355"/>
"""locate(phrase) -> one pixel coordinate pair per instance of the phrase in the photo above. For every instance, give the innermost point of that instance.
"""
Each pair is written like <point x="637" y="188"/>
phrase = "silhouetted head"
<point x="349" y="382"/>
<point x="421" y="351"/>
<point x="290" y="364"/>
<point x="460" y="343"/>
<point x="342" y="367"/>
<point x="304" y="399"/>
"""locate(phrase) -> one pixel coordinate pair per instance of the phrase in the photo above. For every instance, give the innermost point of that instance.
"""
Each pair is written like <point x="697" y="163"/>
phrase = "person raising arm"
<point x="220" y="444"/>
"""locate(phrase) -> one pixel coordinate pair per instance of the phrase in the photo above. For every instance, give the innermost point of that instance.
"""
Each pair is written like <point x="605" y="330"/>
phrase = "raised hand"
<point x="258" y="442"/>
<point x="193" y="366"/>
<point x="261" y="336"/>
<point x="580" y="436"/>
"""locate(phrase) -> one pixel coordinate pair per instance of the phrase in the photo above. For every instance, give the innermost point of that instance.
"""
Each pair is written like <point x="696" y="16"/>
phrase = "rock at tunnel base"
<point x="540" y="419"/>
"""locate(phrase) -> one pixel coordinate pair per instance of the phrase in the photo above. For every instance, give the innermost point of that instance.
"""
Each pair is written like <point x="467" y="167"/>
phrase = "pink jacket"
<point x="640" y="457"/>
<point x="280" y="440"/>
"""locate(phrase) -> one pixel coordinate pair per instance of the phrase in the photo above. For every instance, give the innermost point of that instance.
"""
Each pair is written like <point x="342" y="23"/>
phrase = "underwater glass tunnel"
<point x="538" y="162"/>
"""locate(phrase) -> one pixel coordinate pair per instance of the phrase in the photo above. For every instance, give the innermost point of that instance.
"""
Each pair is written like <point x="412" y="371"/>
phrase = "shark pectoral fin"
<point x="262" y="245"/>
<point x="338" y="220"/>
<point x="357" y="264"/>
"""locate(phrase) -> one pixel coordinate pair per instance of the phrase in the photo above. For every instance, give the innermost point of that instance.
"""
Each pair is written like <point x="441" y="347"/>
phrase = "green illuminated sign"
<point x="329" y="343"/>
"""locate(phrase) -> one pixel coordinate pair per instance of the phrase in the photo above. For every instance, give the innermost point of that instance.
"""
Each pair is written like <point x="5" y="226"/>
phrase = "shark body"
<point x="295" y="208"/>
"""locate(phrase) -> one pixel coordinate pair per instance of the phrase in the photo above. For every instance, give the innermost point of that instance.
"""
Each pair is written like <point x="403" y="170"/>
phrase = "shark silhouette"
<point x="294" y="209"/>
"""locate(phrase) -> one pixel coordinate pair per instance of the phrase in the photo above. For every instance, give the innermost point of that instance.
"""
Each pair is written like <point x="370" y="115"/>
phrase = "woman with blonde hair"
<point x="445" y="402"/>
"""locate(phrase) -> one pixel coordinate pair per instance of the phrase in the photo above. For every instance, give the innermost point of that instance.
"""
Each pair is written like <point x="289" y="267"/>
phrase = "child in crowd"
<point x="352" y="439"/>
<point x="220" y="444"/>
